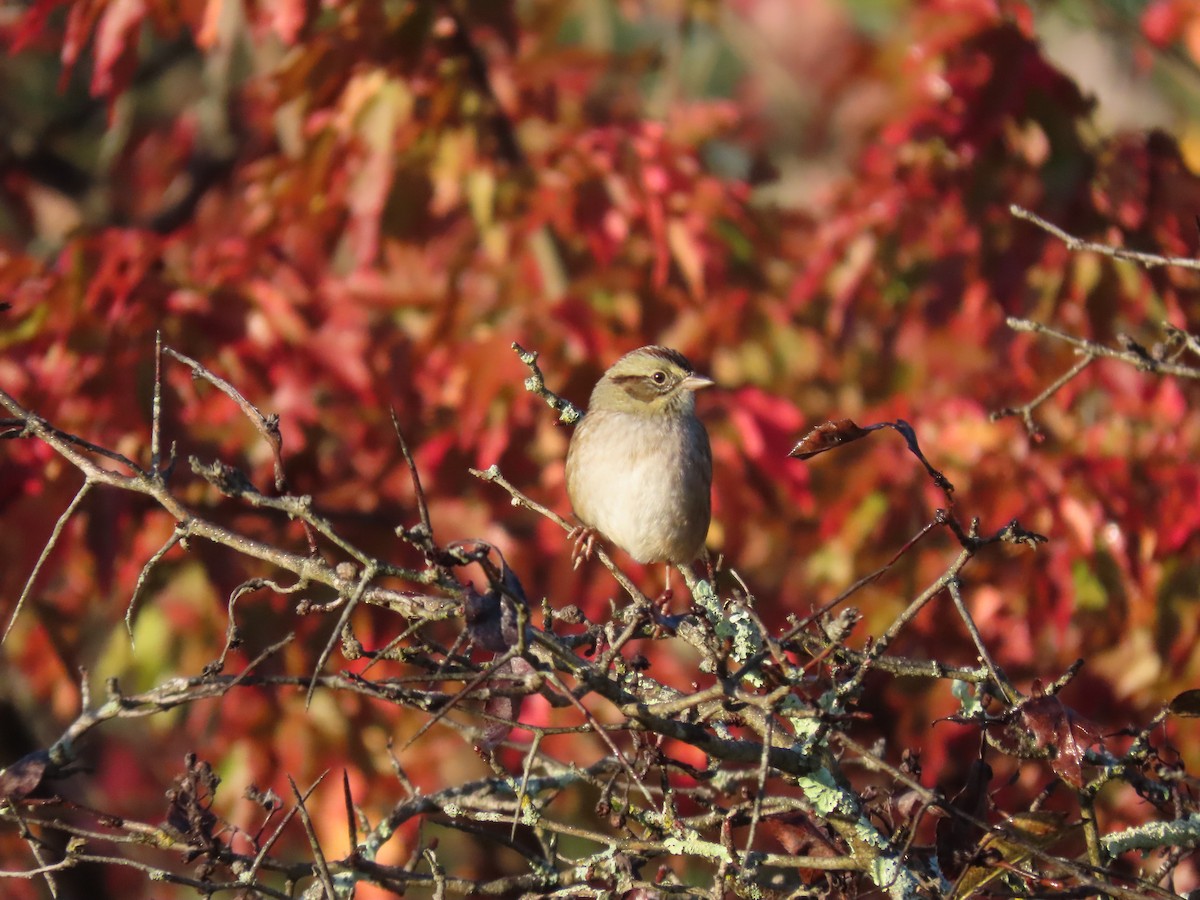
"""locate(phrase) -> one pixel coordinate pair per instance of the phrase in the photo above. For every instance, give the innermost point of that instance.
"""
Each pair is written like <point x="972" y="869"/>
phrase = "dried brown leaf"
<point x="24" y="776"/>
<point x="827" y="436"/>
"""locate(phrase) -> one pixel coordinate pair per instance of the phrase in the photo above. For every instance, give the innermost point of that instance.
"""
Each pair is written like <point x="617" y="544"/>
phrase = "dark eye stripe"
<point x="641" y="387"/>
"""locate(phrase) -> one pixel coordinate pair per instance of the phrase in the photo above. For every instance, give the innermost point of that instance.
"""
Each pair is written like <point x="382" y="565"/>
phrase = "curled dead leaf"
<point x="827" y="436"/>
<point x="1186" y="704"/>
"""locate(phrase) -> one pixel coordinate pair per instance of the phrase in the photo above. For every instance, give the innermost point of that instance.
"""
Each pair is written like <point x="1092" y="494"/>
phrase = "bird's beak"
<point x="696" y="382"/>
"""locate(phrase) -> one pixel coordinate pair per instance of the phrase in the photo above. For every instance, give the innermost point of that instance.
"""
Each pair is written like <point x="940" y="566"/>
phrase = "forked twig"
<point x="1025" y="410"/>
<point x="268" y="426"/>
<point x="568" y="412"/>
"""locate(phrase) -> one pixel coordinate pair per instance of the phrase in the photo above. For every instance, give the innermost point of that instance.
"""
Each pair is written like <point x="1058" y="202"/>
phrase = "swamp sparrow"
<point x="639" y="468"/>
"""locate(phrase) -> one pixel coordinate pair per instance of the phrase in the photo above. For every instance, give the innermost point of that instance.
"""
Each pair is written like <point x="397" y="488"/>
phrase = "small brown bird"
<point x="639" y="468"/>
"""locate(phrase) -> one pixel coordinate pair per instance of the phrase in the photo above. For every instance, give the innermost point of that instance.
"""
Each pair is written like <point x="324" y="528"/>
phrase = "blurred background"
<point x="352" y="205"/>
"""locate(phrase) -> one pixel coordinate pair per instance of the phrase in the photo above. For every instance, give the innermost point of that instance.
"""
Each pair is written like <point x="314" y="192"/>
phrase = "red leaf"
<point x="800" y="835"/>
<point x="1055" y="726"/>
<point x="1162" y="22"/>
<point x="33" y="24"/>
<point x="507" y="708"/>
<point x="116" y="46"/>
<point x="289" y="18"/>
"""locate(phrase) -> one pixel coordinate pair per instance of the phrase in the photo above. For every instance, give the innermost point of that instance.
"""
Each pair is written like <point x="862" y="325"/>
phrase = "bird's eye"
<point x="659" y="377"/>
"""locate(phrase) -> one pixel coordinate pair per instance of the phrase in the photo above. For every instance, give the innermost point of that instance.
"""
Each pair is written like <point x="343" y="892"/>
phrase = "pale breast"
<point x="642" y="483"/>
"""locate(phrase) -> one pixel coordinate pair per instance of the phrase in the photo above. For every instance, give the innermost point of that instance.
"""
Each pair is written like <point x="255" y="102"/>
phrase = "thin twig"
<point x="603" y="734"/>
<point x="1134" y="358"/>
<point x="268" y="426"/>
<point x="360" y="589"/>
<point x="45" y="554"/>
<point x="492" y="474"/>
<point x="523" y="790"/>
<point x="568" y="413"/>
<point x="760" y="791"/>
<point x="178" y="535"/>
<point x="881" y="643"/>
<point x="156" y="410"/>
<point x="954" y="587"/>
<point x="1025" y="410"/>
<point x="314" y="844"/>
<point x="1149" y="260"/>
<point x="422" y="506"/>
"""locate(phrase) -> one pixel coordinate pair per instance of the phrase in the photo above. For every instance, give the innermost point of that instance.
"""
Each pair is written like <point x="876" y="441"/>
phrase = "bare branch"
<point x="1149" y="260"/>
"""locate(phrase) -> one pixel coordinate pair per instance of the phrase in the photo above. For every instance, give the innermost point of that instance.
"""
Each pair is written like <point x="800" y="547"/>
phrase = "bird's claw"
<point x="584" y="537"/>
<point x="663" y="601"/>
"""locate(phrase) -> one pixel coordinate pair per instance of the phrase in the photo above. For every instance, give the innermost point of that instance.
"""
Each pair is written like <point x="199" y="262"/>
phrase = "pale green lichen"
<point x="808" y="731"/>
<point x="1154" y="836"/>
<point x="885" y="868"/>
<point x="968" y="696"/>
<point x="731" y="623"/>
<point x="693" y="845"/>
<point x="826" y="796"/>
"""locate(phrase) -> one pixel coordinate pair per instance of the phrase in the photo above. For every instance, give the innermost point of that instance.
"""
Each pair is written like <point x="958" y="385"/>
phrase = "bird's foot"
<point x="663" y="602"/>
<point x="584" y="537"/>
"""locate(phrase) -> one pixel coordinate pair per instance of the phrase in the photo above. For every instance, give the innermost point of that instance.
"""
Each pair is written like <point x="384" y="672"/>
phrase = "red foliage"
<point x="378" y="199"/>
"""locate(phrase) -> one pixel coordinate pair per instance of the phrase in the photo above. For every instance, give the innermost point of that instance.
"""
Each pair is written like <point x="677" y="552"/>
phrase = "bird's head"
<point x="650" y="381"/>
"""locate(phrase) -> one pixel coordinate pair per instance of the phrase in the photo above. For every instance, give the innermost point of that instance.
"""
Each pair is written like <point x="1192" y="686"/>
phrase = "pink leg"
<point x="584" y="537"/>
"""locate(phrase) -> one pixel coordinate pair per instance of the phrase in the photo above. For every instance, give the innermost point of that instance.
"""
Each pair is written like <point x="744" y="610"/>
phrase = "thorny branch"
<point x="772" y="716"/>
